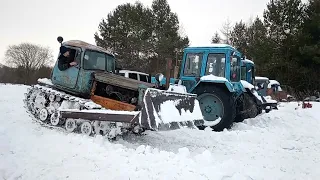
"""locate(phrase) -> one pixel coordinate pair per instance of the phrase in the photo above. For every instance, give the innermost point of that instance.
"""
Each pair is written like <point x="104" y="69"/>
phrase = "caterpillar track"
<point x="45" y="104"/>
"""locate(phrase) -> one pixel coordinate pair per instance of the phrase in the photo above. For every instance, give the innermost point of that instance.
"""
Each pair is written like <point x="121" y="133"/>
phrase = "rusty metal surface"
<point x="93" y="116"/>
<point x="120" y="81"/>
<point x="112" y="104"/>
<point x="86" y="45"/>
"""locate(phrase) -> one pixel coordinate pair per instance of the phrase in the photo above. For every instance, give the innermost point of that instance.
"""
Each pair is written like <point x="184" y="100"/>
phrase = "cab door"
<point x="69" y="77"/>
<point x="191" y="68"/>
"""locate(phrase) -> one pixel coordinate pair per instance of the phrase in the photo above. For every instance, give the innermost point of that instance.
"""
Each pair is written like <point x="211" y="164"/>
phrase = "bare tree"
<point x="28" y="58"/>
<point x="226" y="30"/>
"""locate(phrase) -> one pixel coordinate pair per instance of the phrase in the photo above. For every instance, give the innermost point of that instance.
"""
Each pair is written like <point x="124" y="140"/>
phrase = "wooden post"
<point x="176" y="71"/>
<point x="168" y="72"/>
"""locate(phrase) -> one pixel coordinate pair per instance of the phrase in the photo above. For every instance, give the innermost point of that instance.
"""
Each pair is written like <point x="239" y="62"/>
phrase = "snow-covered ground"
<point x="283" y="144"/>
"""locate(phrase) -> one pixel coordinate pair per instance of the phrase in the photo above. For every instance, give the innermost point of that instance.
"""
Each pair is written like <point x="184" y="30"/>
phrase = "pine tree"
<point x="258" y="46"/>
<point x="142" y="37"/>
<point x="238" y="37"/>
<point x="166" y="34"/>
<point x="216" y="38"/>
<point x="283" y="19"/>
<point x="309" y="48"/>
<point x="128" y="31"/>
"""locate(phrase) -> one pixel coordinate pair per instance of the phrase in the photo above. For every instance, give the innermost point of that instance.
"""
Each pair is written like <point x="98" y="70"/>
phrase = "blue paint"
<point x="205" y="51"/>
<point x="212" y="107"/>
<point x="76" y="79"/>
<point x="193" y="81"/>
<point x="218" y="58"/>
<point x="248" y="71"/>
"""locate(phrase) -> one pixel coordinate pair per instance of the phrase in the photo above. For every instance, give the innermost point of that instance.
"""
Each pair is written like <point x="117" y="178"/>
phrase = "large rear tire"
<point x="216" y="102"/>
<point x="249" y="105"/>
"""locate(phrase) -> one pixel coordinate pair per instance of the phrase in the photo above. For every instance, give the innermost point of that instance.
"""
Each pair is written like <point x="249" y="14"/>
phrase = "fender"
<point x="214" y="80"/>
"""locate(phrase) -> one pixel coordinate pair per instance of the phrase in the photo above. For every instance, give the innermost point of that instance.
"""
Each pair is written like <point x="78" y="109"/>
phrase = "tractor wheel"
<point x="217" y="107"/>
<point x="250" y="106"/>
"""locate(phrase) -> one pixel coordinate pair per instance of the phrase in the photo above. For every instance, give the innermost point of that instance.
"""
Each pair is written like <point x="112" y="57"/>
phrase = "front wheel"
<point x="217" y="107"/>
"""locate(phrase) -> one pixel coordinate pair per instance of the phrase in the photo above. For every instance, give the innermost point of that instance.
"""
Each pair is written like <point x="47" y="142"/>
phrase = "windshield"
<point x="216" y="64"/>
<point x="94" y="60"/>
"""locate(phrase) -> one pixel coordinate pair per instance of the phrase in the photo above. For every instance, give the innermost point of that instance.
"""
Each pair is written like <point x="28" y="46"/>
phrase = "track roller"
<point x="86" y="128"/>
<point x="54" y="119"/>
<point x="70" y="125"/>
<point x="43" y="114"/>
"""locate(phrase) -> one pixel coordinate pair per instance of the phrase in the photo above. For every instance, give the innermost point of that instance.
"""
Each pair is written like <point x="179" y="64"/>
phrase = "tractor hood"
<point x="117" y="80"/>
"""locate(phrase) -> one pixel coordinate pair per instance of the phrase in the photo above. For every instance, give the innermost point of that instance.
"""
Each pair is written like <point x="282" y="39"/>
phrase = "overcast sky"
<point x="42" y="21"/>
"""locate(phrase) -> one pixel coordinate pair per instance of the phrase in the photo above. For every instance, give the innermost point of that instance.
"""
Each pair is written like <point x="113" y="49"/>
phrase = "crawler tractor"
<point x="91" y="98"/>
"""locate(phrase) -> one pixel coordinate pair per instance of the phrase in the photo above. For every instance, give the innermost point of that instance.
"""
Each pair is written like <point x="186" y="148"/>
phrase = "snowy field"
<point x="283" y="144"/>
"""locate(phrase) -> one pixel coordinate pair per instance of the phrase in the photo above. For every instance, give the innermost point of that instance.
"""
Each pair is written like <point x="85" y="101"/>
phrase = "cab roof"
<point x="85" y="45"/>
<point x="215" y="45"/>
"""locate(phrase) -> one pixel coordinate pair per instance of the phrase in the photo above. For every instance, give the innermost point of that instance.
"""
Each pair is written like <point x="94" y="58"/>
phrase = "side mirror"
<point x="159" y="77"/>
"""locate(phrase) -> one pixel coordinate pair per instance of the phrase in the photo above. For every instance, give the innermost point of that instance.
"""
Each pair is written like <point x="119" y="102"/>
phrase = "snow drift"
<point x="283" y="144"/>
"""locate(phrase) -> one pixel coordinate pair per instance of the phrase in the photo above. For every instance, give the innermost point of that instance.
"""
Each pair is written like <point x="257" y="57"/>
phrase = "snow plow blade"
<point x="167" y="110"/>
<point x="160" y="111"/>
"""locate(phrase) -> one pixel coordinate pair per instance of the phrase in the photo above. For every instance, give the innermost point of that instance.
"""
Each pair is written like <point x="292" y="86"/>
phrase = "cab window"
<point x="143" y="78"/>
<point x="216" y="64"/>
<point x="193" y="64"/>
<point x="133" y="76"/>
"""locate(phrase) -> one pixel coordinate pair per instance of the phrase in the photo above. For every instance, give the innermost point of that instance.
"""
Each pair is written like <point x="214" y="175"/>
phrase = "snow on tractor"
<point x="213" y="72"/>
<point x="271" y="88"/>
<point x="91" y="98"/>
<point x="248" y="77"/>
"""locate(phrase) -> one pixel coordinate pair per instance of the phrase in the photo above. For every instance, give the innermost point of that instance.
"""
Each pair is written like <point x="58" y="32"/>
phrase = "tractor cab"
<point x="247" y="71"/>
<point x="221" y="62"/>
<point x="89" y="59"/>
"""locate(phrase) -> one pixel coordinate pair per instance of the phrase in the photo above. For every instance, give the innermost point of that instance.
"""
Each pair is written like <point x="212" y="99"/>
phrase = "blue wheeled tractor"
<point x="214" y="73"/>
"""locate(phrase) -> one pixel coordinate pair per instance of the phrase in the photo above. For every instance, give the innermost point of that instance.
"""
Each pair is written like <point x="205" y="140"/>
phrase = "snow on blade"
<point x="169" y="113"/>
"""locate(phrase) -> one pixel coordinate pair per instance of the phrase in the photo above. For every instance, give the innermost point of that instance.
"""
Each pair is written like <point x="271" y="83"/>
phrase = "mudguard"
<point x="261" y="100"/>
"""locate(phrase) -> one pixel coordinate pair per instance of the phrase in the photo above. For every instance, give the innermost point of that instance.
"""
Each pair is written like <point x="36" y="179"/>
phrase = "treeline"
<point x="142" y="37"/>
<point x="25" y="64"/>
<point x="17" y="75"/>
<point x="284" y="44"/>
